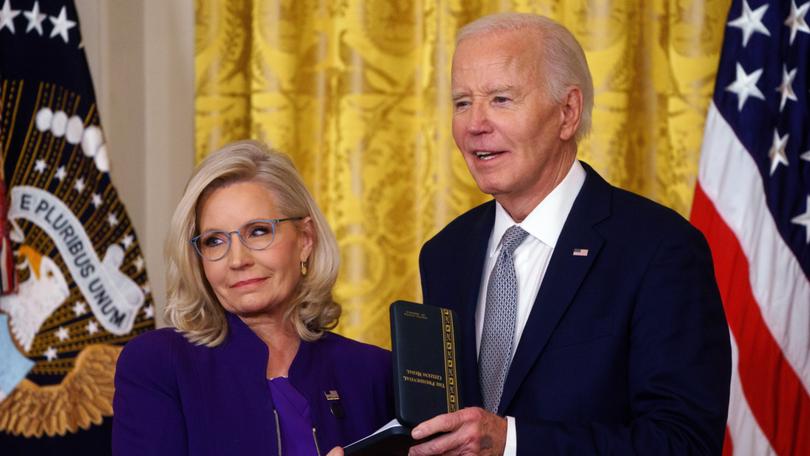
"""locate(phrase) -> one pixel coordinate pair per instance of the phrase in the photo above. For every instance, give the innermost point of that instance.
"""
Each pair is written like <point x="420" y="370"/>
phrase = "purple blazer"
<point x="176" y="398"/>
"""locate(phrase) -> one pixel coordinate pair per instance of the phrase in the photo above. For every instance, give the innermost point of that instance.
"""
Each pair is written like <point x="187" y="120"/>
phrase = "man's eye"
<point x="461" y="104"/>
<point x="500" y="100"/>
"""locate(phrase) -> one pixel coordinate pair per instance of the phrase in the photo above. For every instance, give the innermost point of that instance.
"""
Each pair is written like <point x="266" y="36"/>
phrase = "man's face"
<point x="509" y="130"/>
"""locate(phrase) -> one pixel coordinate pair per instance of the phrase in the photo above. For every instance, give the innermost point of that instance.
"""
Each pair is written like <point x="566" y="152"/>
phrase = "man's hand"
<point x="471" y="431"/>
<point x="336" y="451"/>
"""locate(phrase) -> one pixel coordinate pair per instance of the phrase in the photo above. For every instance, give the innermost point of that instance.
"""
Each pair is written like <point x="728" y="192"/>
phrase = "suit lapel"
<point x="564" y="275"/>
<point x="478" y="240"/>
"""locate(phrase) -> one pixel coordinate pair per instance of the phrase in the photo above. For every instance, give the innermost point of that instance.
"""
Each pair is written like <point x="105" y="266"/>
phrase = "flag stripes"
<point x="767" y="397"/>
<point x="743" y="429"/>
<point x="757" y="275"/>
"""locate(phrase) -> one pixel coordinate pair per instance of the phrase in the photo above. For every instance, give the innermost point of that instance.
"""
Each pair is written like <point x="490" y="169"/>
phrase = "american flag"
<point x="752" y="201"/>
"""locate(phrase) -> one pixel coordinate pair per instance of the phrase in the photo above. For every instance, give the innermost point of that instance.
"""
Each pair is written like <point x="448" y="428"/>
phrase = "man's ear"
<point x="570" y="113"/>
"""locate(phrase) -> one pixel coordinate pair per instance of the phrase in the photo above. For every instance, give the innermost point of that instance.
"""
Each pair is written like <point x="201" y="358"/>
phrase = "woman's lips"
<point x="248" y="282"/>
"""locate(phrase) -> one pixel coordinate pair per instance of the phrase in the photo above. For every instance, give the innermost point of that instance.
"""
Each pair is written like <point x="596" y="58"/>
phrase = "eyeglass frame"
<point x="273" y="222"/>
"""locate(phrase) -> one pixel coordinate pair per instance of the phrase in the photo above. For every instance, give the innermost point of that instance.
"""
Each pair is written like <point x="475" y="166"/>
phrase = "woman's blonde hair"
<point x="192" y="307"/>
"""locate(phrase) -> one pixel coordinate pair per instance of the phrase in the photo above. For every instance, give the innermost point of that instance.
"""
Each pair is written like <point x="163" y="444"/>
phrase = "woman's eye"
<point x="212" y="240"/>
<point x="259" y="230"/>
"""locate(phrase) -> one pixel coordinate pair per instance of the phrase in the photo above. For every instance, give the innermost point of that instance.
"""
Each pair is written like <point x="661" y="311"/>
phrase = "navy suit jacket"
<point x="626" y="349"/>
<point x="176" y="398"/>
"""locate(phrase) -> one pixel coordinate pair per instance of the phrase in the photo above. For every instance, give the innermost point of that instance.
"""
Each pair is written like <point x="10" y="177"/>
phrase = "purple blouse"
<point x="294" y="418"/>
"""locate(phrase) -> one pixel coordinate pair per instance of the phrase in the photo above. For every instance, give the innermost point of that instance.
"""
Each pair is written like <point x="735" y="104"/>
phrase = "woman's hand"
<point x="336" y="451"/>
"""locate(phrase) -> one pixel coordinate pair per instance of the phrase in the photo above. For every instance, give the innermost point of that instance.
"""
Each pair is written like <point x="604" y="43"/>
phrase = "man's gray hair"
<point x="562" y="57"/>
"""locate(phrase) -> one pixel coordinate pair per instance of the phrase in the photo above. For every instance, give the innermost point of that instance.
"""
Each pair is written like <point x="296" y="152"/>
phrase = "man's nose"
<point x="479" y="119"/>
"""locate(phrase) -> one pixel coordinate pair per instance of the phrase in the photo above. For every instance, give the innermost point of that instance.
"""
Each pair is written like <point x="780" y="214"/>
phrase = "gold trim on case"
<point x="449" y="342"/>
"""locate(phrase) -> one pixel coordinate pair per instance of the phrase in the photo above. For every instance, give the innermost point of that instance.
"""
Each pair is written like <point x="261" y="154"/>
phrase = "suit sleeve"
<point x="424" y="264"/>
<point x="679" y="367"/>
<point x="148" y="417"/>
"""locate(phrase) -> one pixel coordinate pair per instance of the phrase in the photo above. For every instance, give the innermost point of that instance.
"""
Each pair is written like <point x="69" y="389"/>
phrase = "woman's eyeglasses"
<point x="258" y="234"/>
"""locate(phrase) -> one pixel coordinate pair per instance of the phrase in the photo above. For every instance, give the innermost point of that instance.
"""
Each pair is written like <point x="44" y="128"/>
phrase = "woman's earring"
<point x="304" y="269"/>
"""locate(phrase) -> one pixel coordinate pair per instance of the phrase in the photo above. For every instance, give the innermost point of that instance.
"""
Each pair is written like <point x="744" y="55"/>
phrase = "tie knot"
<point x="512" y="239"/>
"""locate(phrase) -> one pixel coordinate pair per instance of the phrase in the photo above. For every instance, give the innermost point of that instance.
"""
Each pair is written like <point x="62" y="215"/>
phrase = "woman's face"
<point x="249" y="282"/>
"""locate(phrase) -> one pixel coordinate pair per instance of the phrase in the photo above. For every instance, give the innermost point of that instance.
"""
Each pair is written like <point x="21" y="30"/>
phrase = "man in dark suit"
<point x="595" y="325"/>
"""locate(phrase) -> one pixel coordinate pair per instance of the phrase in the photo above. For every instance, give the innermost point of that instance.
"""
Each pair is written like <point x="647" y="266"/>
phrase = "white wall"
<point x="141" y="55"/>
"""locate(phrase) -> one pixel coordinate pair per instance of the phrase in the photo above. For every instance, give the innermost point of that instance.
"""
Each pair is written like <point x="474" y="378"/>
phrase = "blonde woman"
<point x="250" y="366"/>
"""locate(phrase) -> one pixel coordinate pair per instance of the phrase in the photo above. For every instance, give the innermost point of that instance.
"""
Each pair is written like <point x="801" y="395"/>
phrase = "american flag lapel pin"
<point x="580" y="252"/>
<point x="333" y="398"/>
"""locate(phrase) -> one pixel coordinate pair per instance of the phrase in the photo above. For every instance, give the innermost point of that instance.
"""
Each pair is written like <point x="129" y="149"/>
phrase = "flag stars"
<point x="146" y="289"/>
<point x="62" y="333"/>
<point x="805" y="156"/>
<point x="61" y="25"/>
<point x="777" y="153"/>
<point x="149" y="311"/>
<point x="112" y="220"/>
<point x="60" y="174"/>
<point x="750" y="22"/>
<point x="745" y="86"/>
<point x="50" y="354"/>
<point x="79" y="185"/>
<point x="96" y="200"/>
<point x="138" y="264"/>
<point x="35" y="19"/>
<point x="7" y="16"/>
<point x="92" y="327"/>
<point x="127" y="241"/>
<point x="796" y="19"/>
<point x="80" y="308"/>
<point x="40" y="166"/>
<point x="804" y="220"/>
<point x="786" y="88"/>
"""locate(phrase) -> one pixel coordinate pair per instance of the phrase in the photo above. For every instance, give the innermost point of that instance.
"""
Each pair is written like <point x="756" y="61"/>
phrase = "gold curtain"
<point x="357" y="92"/>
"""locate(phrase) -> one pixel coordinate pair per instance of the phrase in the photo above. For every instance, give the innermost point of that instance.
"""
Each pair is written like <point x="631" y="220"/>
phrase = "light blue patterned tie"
<point x="499" y="321"/>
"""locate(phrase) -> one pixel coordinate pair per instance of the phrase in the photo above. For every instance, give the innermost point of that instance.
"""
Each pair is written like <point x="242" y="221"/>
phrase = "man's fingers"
<point x="443" y="423"/>
<point x="464" y="430"/>
<point x="336" y="451"/>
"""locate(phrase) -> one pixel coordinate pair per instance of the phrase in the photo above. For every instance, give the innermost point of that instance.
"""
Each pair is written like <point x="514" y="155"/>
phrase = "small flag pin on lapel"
<point x="334" y="403"/>
<point x="580" y="252"/>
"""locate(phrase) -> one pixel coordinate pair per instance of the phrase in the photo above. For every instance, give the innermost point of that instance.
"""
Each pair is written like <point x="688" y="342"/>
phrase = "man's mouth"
<point x="486" y="154"/>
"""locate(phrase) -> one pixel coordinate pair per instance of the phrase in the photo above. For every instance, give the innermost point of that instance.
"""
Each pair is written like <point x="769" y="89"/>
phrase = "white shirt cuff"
<point x="511" y="437"/>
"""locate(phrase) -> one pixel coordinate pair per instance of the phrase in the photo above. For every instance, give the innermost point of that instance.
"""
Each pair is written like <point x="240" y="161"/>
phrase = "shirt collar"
<point x="545" y="222"/>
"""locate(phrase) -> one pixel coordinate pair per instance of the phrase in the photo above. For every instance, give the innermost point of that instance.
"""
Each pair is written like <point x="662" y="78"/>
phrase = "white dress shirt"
<point x="544" y="225"/>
